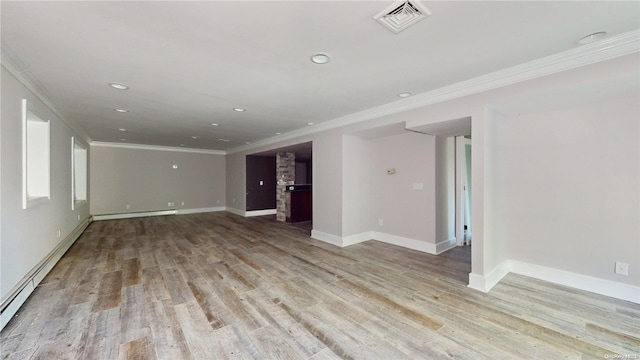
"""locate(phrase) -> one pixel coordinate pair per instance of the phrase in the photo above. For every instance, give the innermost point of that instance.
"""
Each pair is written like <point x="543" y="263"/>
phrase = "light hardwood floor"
<point x="217" y="286"/>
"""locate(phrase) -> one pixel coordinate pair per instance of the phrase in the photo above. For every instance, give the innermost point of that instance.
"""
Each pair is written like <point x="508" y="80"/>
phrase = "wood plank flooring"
<point x="220" y="286"/>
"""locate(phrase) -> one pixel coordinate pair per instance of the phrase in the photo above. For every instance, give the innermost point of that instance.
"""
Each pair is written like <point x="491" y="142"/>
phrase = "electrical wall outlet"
<point x="380" y="222"/>
<point x="128" y="206"/>
<point x="170" y="203"/>
<point x="622" y="268"/>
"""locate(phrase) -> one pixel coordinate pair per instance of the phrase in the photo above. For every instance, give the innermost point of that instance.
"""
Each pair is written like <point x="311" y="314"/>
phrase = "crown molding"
<point x="606" y="49"/>
<point x="155" y="148"/>
<point x="23" y="74"/>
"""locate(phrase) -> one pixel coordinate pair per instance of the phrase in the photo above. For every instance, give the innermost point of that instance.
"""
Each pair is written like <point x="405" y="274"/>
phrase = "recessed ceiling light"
<point x="320" y="58"/>
<point x="194" y="137"/>
<point x="310" y="123"/>
<point x="248" y="142"/>
<point x="119" y="86"/>
<point x="239" y="109"/>
<point x="405" y="94"/>
<point x="278" y="133"/>
<point x="121" y="110"/>
<point x="225" y="140"/>
<point x="215" y="124"/>
<point x="592" y="37"/>
<point x="121" y="129"/>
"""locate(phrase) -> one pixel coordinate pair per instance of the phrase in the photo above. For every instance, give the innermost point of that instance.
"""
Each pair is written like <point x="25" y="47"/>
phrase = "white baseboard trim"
<point x="485" y="283"/>
<point x="251" y="213"/>
<point x="200" y="210"/>
<point x="382" y="237"/>
<point x="358" y="238"/>
<point x="158" y="213"/>
<point x="445" y="245"/>
<point x="133" y="215"/>
<point x="260" y="212"/>
<point x="583" y="282"/>
<point x="235" y="211"/>
<point x="477" y="282"/>
<point x="20" y="293"/>
<point x="326" y="237"/>
<point x="405" y="242"/>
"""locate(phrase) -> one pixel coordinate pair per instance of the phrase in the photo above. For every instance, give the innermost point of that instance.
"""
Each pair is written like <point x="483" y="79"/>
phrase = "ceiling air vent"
<point x="402" y="14"/>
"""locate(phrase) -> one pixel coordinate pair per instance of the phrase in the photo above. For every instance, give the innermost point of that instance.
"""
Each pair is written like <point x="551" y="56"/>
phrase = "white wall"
<point x="405" y="211"/>
<point x="569" y="188"/>
<point x="327" y="183"/>
<point x="28" y="236"/>
<point x="495" y="255"/>
<point x="146" y="180"/>
<point x="445" y="188"/>
<point x="357" y="185"/>
<point x="236" y="174"/>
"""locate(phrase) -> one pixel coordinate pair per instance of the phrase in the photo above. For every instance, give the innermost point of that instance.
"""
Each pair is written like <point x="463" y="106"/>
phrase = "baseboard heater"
<point x="19" y="294"/>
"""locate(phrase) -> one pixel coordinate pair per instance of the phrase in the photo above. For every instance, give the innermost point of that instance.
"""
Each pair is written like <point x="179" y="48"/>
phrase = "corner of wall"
<point x="486" y="283"/>
<point x="328" y="238"/>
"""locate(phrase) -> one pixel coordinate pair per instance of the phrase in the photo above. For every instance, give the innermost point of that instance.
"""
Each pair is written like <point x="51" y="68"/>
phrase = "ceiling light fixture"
<point x="215" y="124"/>
<point x="592" y="37"/>
<point x="194" y="137"/>
<point x="320" y="58"/>
<point x="310" y="123"/>
<point x="119" y="86"/>
<point x="405" y="94"/>
<point x="278" y="133"/>
<point x="239" y="109"/>
<point x="121" y="110"/>
<point x="121" y="129"/>
<point x="225" y="140"/>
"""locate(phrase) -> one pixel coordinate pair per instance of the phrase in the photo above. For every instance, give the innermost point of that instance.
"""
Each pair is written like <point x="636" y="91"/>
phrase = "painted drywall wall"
<point x="445" y="188"/>
<point x="357" y="185"/>
<point x="303" y="171"/>
<point x="494" y="224"/>
<point x="404" y="201"/>
<point x="327" y="183"/>
<point x="29" y="235"/>
<point x="236" y="172"/>
<point x="569" y="187"/>
<point x="260" y="182"/>
<point x="146" y="180"/>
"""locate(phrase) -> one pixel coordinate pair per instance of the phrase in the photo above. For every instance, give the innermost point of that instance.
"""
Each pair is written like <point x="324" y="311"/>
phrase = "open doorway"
<point x="453" y="183"/>
<point x="463" y="190"/>
<point x="291" y="193"/>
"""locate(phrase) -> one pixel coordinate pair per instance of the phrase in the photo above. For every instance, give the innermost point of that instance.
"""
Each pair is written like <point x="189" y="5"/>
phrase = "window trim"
<point x="27" y="200"/>
<point x="75" y="202"/>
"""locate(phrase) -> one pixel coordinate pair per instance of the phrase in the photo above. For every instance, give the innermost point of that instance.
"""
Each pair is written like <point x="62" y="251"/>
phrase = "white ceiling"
<point x="188" y="64"/>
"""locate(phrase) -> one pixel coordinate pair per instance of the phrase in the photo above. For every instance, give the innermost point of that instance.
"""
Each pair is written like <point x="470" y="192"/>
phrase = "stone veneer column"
<point x="285" y="175"/>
